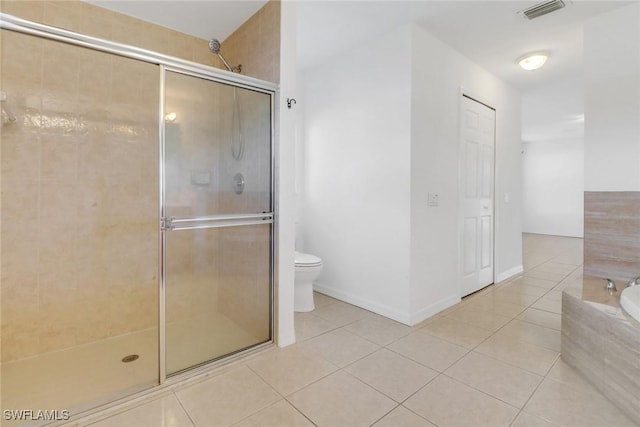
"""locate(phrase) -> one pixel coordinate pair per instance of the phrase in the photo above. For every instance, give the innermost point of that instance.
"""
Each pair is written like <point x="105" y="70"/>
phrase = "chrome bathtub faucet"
<point x="634" y="282"/>
<point x="610" y="286"/>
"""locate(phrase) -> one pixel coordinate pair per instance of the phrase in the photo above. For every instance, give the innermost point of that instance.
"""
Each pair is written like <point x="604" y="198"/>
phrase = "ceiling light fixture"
<point x="533" y="61"/>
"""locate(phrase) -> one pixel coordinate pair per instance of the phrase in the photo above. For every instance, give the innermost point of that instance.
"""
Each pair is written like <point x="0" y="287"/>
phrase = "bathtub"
<point x="630" y="301"/>
<point x="601" y="340"/>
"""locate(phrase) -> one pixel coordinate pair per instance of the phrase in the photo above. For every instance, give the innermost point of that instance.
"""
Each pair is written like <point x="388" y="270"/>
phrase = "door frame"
<point x="466" y="93"/>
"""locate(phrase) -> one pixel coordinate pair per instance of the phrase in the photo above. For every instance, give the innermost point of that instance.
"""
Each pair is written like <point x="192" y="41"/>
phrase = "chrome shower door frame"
<point x="167" y="224"/>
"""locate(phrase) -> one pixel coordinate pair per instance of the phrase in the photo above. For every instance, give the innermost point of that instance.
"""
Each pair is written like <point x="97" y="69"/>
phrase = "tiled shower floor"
<point x="492" y="360"/>
<point x="95" y="371"/>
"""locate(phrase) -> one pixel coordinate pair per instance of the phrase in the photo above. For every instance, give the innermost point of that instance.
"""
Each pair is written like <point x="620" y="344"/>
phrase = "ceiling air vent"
<point x="543" y="8"/>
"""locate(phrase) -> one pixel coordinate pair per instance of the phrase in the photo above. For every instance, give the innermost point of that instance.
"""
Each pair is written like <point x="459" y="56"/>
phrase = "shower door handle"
<point x="214" y="221"/>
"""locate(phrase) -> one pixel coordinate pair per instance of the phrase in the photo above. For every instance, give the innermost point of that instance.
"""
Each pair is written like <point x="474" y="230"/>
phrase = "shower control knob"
<point x="238" y="183"/>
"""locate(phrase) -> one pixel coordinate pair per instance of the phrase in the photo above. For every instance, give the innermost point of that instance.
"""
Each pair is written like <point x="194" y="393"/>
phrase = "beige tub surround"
<point x="612" y="234"/>
<point x="599" y="338"/>
<point x="630" y="301"/>
<point x="602" y="342"/>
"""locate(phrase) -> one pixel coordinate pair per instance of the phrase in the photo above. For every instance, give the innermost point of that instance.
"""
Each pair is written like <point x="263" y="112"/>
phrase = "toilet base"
<point x="303" y="297"/>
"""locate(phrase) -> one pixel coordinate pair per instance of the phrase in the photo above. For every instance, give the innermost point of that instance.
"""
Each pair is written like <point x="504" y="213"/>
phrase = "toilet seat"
<point x="307" y="260"/>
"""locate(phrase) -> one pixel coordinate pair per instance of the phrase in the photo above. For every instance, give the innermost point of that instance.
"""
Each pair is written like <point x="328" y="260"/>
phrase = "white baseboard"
<point x="509" y="273"/>
<point x="287" y="338"/>
<point x="433" y="309"/>
<point x="386" y="311"/>
<point x="367" y="304"/>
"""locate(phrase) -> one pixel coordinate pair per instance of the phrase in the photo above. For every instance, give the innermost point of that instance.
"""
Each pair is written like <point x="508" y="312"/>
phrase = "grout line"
<point x="282" y="396"/>
<point x="183" y="408"/>
<point x="420" y="389"/>
<point x="296" y="408"/>
<point x="393" y="409"/>
<point x="299" y="411"/>
<point x="363" y="338"/>
<point x="421" y="416"/>
<point x="512" y="423"/>
<point x="508" y="363"/>
<point x="276" y="390"/>
<point x="429" y="367"/>
<point x="485" y="393"/>
<point x="535" y="390"/>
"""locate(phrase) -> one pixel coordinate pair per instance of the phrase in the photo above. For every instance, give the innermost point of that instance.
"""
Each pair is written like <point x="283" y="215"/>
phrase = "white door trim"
<point x="465" y="93"/>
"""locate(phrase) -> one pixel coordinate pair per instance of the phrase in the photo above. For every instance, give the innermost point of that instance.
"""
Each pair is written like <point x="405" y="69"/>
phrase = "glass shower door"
<point x="217" y="219"/>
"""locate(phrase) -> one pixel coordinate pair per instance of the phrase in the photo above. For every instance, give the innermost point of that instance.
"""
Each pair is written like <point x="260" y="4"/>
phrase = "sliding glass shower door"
<point x="216" y="219"/>
<point x="90" y="313"/>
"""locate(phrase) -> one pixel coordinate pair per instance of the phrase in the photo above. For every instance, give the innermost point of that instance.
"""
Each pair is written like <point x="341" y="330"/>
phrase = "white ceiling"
<point x="207" y="19"/>
<point x="491" y="33"/>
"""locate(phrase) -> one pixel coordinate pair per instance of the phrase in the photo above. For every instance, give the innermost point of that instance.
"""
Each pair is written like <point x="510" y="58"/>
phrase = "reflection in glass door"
<point x="217" y="219"/>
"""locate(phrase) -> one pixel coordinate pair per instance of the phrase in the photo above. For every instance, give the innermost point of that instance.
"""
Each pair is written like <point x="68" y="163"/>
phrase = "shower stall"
<point x="137" y="218"/>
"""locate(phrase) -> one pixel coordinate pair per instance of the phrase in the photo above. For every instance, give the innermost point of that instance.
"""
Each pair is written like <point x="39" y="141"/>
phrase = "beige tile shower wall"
<point x="66" y="282"/>
<point x="80" y="179"/>
<point x="193" y="148"/>
<point x="612" y="234"/>
<point x="79" y="196"/>
<point x="244" y="251"/>
<point x="256" y="44"/>
<point x="244" y="292"/>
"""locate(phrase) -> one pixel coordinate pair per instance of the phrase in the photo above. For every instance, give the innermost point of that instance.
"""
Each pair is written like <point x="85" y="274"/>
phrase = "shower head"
<point x="214" y="46"/>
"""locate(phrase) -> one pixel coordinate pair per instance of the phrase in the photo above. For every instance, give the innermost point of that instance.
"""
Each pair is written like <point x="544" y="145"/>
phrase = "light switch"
<point x="433" y="199"/>
<point x="506" y="198"/>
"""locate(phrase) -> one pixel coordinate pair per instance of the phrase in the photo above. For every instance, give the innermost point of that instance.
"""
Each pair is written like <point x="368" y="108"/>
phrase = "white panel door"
<point x="477" y="133"/>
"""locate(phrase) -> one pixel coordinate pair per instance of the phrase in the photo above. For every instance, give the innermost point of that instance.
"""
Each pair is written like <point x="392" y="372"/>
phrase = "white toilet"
<point x="308" y="268"/>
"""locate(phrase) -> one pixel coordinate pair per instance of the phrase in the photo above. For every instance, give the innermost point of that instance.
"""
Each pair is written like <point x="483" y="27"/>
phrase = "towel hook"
<point x="290" y="101"/>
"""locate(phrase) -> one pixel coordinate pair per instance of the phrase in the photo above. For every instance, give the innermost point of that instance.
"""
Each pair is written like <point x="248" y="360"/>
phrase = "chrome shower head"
<point x="214" y="46"/>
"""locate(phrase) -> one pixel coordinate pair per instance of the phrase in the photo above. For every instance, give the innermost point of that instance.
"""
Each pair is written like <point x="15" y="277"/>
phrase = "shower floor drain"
<point x="130" y="358"/>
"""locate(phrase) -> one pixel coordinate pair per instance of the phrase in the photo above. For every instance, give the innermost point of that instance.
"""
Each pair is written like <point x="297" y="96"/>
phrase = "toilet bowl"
<point x="308" y="268"/>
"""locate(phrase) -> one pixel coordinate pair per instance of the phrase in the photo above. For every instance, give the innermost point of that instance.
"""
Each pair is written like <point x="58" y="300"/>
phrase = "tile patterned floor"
<point x="491" y="360"/>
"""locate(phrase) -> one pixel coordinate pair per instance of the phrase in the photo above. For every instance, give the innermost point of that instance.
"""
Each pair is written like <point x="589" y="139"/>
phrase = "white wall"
<point x="553" y="158"/>
<point x="380" y="133"/>
<point x="554" y="110"/>
<point x="438" y="74"/>
<point x="285" y="177"/>
<point x="356" y="192"/>
<point x="612" y="101"/>
<point x="553" y="187"/>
